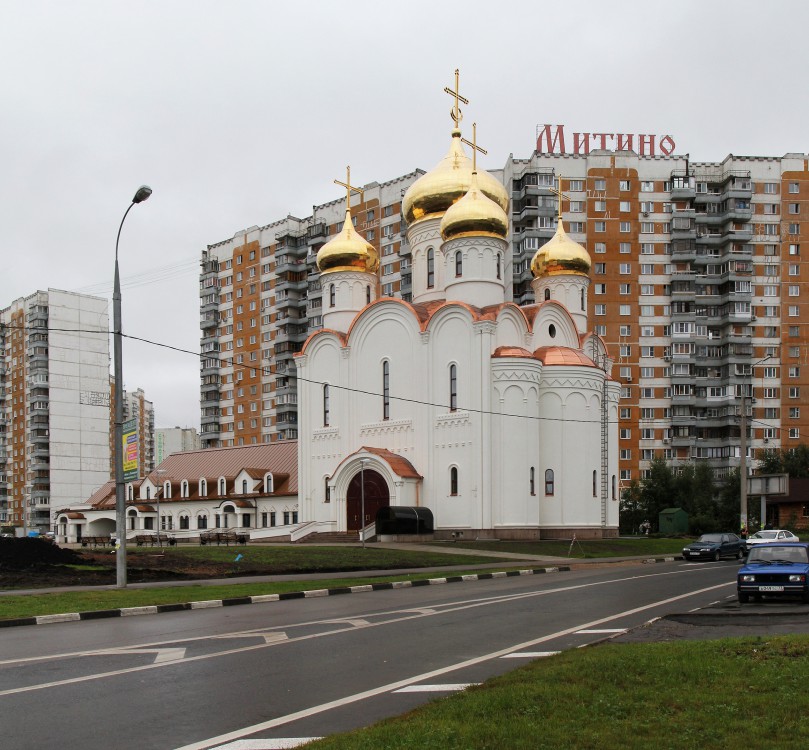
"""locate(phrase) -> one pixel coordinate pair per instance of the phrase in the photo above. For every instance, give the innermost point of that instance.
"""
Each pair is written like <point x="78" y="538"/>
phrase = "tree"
<point x="657" y="490"/>
<point x="792" y="461"/>
<point x="632" y="511"/>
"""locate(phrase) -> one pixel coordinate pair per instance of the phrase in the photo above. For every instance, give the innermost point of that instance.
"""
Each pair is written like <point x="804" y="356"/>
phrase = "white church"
<point x="499" y="419"/>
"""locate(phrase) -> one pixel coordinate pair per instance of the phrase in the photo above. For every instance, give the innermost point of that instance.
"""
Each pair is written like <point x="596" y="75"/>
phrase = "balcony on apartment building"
<point x="683" y="187"/>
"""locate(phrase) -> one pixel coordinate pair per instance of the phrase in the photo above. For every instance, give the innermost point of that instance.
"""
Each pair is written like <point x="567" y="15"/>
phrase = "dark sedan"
<point x="714" y="547"/>
<point x="776" y="569"/>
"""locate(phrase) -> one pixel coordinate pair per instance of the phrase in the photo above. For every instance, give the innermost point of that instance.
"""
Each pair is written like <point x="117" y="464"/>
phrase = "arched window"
<point x="184" y="488"/>
<point x="332" y="295"/>
<point x="499" y="261"/>
<point x="185" y="522"/>
<point x="549" y="482"/>
<point x="453" y="480"/>
<point x="202" y="522"/>
<point x="268" y="484"/>
<point x="614" y="497"/>
<point x="148" y="492"/>
<point x="459" y="263"/>
<point x="532" y="481"/>
<point x="453" y="387"/>
<point x="386" y="390"/>
<point x="595" y="482"/>
<point x="326" y="491"/>
<point x="582" y="299"/>
<point x="130" y="492"/>
<point x="203" y="488"/>
<point x="222" y="486"/>
<point x="430" y="268"/>
<point x="245" y="488"/>
<point x="547" y="294"/>
<point x="368" y="294"/>
<point x="167" y="490"/>
<point x="325" y="406"/>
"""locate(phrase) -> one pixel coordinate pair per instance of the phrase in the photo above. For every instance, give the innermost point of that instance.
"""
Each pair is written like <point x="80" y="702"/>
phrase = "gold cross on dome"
<point x="455" y="114"/>
<point x="349" y="188"/>
<point x="560" y="194"/>
<point x="475" y="148"/>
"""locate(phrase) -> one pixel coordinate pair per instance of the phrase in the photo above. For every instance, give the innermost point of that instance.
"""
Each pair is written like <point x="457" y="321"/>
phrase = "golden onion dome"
<point x="561" y="255"/>
<point x="474" y="215"/>
<point x="434" y="192"/>
<point x="347" y="251"/>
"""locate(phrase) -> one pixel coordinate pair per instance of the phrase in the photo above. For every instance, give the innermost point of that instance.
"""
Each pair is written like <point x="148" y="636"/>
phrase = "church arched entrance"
<point x="376" y="496"/>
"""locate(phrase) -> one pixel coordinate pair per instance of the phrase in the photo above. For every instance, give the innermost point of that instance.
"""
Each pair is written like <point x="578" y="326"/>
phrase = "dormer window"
<point x="167" y="490"/>
<point x="203" y="488"/>
<point x="268" y="484"/>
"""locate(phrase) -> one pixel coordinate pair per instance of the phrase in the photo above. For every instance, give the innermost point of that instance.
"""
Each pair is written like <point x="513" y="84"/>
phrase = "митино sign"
<point x="551" y="140"/>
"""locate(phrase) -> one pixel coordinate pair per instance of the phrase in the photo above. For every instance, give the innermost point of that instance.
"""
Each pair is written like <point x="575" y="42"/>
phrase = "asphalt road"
<point x="246" y="677"/>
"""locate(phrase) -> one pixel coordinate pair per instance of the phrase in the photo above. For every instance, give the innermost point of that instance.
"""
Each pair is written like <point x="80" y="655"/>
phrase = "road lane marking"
<point x="531" y="655"/>
<point x="278" y="743"/>
<point x="601" y="631"/>
<point x="449" y="687"/>
<point x="393" y="686"/>
<point x="162" y="655"/>
<point x="268" y="637"/>
<point x="356" y="622"/>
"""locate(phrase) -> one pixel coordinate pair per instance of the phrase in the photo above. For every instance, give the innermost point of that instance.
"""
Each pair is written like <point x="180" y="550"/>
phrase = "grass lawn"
<point x="712" y="694"/>
<point x="584" y="549"/>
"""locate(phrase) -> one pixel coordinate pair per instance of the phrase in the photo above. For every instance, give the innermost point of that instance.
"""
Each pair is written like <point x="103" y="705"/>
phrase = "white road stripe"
<point x="390" y="687"/>
<point x="273" y="637"/>
<point x="601" y="631"/>
<point x="530" y="655"/>
<point x="449" y="687"/>
<point x="278" y="743"/>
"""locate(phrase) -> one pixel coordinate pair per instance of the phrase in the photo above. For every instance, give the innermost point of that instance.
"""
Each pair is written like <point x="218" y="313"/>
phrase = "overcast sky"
<point x="239" y="113"/>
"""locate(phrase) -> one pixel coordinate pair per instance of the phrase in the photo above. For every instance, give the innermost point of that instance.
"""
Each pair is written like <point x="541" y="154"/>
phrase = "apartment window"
<point x="647" y="331"/>
<point x="600" y="288"/>
<point x="794" y="249"/>
<point x="794" y="331"/>
<point x="624" y="206"/>
<point x="794" y="208"/>
<point x="647" y="186"/>
<point x="576" y="207"/>
<point x="430" y="268"/>
<point x="625" y="227"/>
<point x="624" y="310"/>
<point x="576" y="185"/>
<point x="625" y="433"/>
<point x="794" y="269"/>
<point x="576" y="227"/>
<point x="771" y="291"/>
<point x="600" y="330"/>
<point x="794" y="412"/>
<point x="625" y="330"/>
<point x="624" y="185"/>
<point x="794" y="290"/>
<point x="600" y="309"/>
<point x="794" y="392"/>
<point x="794" y="228"/>
<point x="386" y="390"/>
<point x="625" y="350"/>
<point x="794" y="433"/>
<point x="625" y="268"/>
<point x="647" y="269"/>
<point x="600" y="226"/>
<point x="599" y="205"/>
<point x="600" y="269"/>
<point x="794" y="187"/>
<point x="453" y="387"/>
<point x="626" y="413"/>
<point x="647" y="290"/>
<point x="647" y="227"/>
<point x="647" y="248"/>
<point x="794" y="372"/>
<point x="770" y="188"/>
<point x="793" y="311"/>
<point x="623" y="289"/>
<point x="387" y="250"/>
<point x="600" y="184"/>
<point x="600" y="247"/>
<point x="625" y="454"/>
<point x="625" y="248"/>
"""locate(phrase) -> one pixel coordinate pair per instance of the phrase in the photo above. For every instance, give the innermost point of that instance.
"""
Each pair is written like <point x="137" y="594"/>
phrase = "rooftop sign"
<point x="551" y="140"/>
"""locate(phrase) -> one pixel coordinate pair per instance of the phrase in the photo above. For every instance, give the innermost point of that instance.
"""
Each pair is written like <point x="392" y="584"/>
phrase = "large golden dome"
<point x="561" y="255"/>
<point x="474" y="215"/>
<point x="347" y="251"/>
<point x="434" y="192"/>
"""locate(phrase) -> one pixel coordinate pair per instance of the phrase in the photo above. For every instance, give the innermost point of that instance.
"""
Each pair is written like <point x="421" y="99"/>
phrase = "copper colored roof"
<point x="562" y="355"/>
<point x="74" y="515"/>
<point x="511" y="351"/>
<point x="398" y="464"/>
<point x="143" y="508"/>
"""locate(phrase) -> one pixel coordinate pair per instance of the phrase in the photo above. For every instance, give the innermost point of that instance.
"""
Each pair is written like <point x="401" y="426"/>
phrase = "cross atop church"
<point x="560" y="194"/>
<point x="455" y="114"/>
<point x="349" y="188"/>
<point x="475" y="148"/>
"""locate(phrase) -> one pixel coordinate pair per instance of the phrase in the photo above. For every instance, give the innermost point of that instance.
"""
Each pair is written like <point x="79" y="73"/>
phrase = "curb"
<point x="263" y="598"/>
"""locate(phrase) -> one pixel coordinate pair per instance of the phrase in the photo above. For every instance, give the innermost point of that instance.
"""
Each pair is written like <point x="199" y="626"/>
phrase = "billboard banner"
<point x="130" y="450"/>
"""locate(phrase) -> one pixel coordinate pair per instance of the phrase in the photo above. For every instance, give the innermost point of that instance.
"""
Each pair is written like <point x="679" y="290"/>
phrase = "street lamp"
<point x="743" y="451"/>
<point x="362" y="501"/>
<point x="143" y="192"/>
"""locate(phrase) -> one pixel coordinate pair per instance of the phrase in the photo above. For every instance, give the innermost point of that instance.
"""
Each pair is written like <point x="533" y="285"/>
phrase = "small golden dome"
<point x="561" y="255"/>
<point x="474" y="215"/>
<point x="434" y="192"/>
<point x="347" y="251"/>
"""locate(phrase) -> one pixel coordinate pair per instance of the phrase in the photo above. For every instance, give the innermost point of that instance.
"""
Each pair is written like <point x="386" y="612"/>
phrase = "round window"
<point x="552" y="331"/>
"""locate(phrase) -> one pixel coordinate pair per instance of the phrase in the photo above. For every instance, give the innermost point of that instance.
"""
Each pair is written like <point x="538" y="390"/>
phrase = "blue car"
<point x="714" y="547"/>
<point x="779" y="569"/>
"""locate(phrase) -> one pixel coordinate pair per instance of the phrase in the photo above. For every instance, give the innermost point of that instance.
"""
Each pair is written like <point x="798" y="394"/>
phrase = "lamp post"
<point x="362" y="501"/>
<point x="141" y="195"/>
<point x="743" y="451"/>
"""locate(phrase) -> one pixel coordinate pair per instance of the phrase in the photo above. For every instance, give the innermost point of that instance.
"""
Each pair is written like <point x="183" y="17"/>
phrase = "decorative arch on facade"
<point x="566" y="333"/>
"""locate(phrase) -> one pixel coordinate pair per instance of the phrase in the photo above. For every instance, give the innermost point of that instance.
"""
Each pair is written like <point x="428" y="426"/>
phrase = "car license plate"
<point x="770" y="588"/>
<point x="693" y="553"/>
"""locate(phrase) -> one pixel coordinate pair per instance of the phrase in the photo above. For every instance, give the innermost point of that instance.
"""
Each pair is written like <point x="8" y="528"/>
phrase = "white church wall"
<point x="553" y="326"/>
<point x="512" y="328"/>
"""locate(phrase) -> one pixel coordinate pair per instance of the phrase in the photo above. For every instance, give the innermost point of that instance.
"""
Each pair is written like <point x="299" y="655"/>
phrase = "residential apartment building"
<point x="698" y="284"/>
<point x="260" y="297"/>
<point x="54" y="412"/>
<point x="170" y="440"/>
